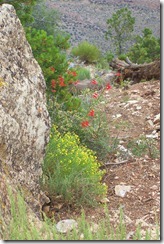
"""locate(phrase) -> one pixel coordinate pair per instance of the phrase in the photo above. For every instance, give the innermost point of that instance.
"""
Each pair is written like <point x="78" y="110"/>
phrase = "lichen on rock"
<point x="24" y="119"/>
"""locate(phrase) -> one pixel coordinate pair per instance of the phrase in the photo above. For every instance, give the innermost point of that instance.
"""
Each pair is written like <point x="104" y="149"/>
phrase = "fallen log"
<point x="136" y="72"/>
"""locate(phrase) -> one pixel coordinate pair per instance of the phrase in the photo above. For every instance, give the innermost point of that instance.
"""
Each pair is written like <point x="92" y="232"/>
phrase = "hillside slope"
<point x="86" y="19"/>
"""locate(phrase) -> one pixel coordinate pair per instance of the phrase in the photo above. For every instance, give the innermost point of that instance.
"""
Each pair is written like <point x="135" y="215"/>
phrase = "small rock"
<point x="132" y="101"/>
<point x="157" y="119"/>
<point x="121" y="190"/>
<point x="150" y="123"/>
<point x="151" y="136"/>
<point x="130" y="235"/>
<point x="138" y="107"/>
<point x="66" y="225"/>
<point x="104" y="200"/>
<point x="118" y="115"/>
<point x="154" y="132"/>
<point x="94" y="227"/>
<point x="81" y="236"/>
<point x="135" y="91"/>
<point x="148" y="117"/>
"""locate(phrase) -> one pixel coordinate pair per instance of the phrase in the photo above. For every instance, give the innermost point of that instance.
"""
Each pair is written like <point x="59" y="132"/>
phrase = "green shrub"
<point x="146" y="49"/>
<point x="109" y="56"/>
<point x="72" y="170"/>
<point x="54" y="65"/>
<point x="83" y="73"/>
<point x="122" y="56"/>
<point x="87" y="52"/>
<point x="96" y="134"/>
<point x="144" y="146"/>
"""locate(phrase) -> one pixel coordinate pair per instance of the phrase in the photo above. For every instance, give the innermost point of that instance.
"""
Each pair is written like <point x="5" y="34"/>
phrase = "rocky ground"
<point x="86" y="19"/>
<point x="133" y="113"/>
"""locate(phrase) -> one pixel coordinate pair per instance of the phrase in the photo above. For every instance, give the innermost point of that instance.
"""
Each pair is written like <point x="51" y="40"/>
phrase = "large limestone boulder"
<point x="24" y="119"/>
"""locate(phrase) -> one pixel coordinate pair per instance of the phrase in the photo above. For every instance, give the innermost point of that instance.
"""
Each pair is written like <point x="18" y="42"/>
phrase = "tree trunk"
<point x="136" y="72"/>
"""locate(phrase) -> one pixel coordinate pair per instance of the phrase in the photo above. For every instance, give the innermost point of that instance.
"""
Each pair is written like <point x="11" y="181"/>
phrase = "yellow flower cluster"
<point x="67" y="154"/>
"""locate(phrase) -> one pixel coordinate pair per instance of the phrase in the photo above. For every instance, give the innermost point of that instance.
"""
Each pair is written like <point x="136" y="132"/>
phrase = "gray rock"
<point x="66" y="225"/>
<point x="121" y="190"/>
<point x="24" y="119"/>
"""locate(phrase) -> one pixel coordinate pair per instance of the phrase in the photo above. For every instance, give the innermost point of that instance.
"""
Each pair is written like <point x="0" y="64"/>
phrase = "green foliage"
<point x="54" y="66"/>
<point x="72" y="170"/>
<point x="21" y="227"/>
<point x="82" y="73"/>
<point x="52" y="61"/>
<point x="144" y="146"/>
<point x="48" y="19"/>
<point x="122" y="57"/>
<point x="102" y="63"/>
<point x="120" y="28"/>
<point x="146" y="48"/>
<point x="89" y="122"/>
<point x="87" y="52"/>
<point x="109" y="56"/>
<point x="23" y="9"/>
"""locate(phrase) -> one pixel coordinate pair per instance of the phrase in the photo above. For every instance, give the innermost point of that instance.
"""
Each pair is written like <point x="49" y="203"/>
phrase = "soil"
<point x="131" y="113"/>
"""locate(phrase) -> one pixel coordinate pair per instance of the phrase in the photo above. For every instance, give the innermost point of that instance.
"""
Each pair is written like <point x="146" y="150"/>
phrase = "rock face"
<point x="24" y="119"/>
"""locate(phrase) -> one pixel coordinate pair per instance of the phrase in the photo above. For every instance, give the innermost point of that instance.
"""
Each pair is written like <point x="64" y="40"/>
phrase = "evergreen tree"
<point x="146" y="48"/>
<point x="120" y="28"/>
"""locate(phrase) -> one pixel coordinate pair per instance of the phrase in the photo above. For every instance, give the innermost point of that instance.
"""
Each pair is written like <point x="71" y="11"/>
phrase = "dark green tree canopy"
<point x="146" y="48"/>
<point x="120" y="28"/>
<point x="23" y="9"/>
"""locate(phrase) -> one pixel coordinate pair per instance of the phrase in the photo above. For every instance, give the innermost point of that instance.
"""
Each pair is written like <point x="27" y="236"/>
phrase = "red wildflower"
<point x="94" y="82"/>
<point x="73" y="73"/>
<point x="108" y="87"/>
<point x="95" y="95"/>
<point x="61" y="79"/>
<point x="76" y="82"/>
<point x="118" y="74"/>
<point x="53" y="90"/>
<point x="61" y="83"/>
<point x="91" y="113"/>
<point x="53" y="83"/>
<point x="52" y="69"/>
<point x="85" y="123"/>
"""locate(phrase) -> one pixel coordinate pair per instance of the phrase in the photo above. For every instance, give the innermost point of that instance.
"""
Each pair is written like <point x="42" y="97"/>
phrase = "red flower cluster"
<point x="76" y="82"/>
<point x="118" y="74"/>
<point x="73" y="73"/>
<point x="91" y="113"/>
<point x="108" y="86"/>
<point x="95" y="95"/>
<point x="52" y="69"/>
<point x="53" y="85"/>
<point x="85" y="123"/>
<point x="61" y="81"/>
<point x="94" y="82"/>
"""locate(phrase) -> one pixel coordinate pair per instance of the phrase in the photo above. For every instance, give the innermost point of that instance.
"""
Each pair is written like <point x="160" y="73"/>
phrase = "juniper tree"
<point x="120" y="28"/>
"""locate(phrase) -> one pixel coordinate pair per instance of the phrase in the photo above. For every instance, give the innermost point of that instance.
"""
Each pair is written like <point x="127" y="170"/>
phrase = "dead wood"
<point x="136" y="72"/>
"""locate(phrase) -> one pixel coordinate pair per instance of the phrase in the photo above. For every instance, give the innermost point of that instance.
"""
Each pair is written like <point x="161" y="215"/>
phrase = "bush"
<point x="83" y="73"/>
<point x="72" y="170"/>
<point x="54" y="66"/>
<point x="87" y="52"/>
<point x="89" y="122"/>
<point x="146" y="49"/>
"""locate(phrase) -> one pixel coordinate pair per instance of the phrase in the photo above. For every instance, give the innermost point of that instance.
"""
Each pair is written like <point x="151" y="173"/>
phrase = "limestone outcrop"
<point x="24" y="119"/>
